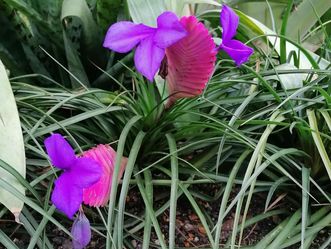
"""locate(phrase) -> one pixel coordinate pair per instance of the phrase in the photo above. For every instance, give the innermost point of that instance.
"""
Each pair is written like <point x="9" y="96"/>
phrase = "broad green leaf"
<point x="178" y="6"/>
<point x="212" y="2"/>
<point x="23" y="42"/>
<point x="75" y="65"/>
<point x="9" y="60"/>
<point x="314" y="41"/>
<point x="25" y="8"/>
<point x="83" y="38"/>
<point x="10" y="48"/>
<point x="146" y="11"/>
<point x="11" y="144"/>
<point x="245" y="21"/>
<point x="307" y="58"/>
<point x="79" y="9"/>
<point x="262" y="12"/>
<point x="49" y="9"/>
<point x="305" y="16"/>
<point x="107" y="12"/>
<point x="288" y="81"/>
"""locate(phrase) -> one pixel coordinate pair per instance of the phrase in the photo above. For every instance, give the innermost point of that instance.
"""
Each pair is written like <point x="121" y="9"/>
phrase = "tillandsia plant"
<point x="183" y="47"/>
<point x="86" y="178"/>
<point x="187" y="53"/>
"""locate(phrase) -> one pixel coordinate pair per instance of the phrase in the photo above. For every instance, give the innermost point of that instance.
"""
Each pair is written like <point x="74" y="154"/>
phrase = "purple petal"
<point x="164" y="38"/>
<point x="85" y="172"/>
<point x="148" y="58"/>
<point x="81" y="232"/>
<point x="229" y="23"/>
<point x="169" y="31"/>
<point x="169" y="19"/>
<point x="66" y="196"/>
<point x="124" y="36"/>
<point x="238" y="51"/>
<point x="60" y="152"/>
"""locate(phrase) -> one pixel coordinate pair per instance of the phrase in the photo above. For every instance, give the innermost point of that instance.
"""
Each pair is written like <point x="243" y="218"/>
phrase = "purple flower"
<point x="81" y="231"/>
<point x="79" y="173"/>
<point x="151" y="42"/>
<point x="238" y="51"/>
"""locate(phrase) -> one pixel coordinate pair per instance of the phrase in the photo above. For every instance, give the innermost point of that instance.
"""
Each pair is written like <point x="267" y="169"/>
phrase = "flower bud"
<point x="81" y="231"/>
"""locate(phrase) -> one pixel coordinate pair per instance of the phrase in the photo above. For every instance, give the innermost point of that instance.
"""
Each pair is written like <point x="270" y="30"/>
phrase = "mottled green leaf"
<point x="107" y="12"/>
<point x="83" y="38"/>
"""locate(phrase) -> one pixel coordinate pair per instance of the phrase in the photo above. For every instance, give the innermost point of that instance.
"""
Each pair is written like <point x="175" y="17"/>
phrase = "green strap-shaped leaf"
<point x="11" y="144"/>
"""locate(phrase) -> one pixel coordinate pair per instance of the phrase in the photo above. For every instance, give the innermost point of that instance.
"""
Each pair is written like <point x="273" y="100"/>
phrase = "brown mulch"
<point x="190" y="233"/>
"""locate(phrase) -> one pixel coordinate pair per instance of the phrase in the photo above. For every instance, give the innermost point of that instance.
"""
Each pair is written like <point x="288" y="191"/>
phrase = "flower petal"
<point x="169" y="31"/>
<point x="98" y="194"/>
<point x="81" y="232"/>
<point x="60" y="152"/>
<point x="238" y="51"/>
<point x="148" y="58"/>
<point x="190" y="61"/>
<point x="85" y="172"/>
<point x="229" y="23"/>
<point x="66" y="196"/>
<point x="168" y="20"/>
<point x="124" y="36"/>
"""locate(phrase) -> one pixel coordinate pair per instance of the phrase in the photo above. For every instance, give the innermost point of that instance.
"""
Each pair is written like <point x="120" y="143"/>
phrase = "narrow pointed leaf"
<point x="318" y="141"/>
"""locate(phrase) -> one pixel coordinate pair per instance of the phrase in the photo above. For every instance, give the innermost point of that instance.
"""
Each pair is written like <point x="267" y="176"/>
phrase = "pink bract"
<point x="98" y="194"/>
<point x="190" y="61"/>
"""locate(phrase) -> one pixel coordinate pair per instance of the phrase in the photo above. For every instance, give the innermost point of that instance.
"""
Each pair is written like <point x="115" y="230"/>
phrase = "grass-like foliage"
<point x="254" y="148"/>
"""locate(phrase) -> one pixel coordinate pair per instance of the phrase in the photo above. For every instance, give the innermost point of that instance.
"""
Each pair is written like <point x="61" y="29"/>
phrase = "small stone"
<point x="193" y="217"/>
<point x="189" y="227"/>
<point x="202" y="230"/>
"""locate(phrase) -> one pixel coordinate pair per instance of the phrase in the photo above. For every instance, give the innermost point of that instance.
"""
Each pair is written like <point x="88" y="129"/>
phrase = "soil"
<point x="189" y="230"/>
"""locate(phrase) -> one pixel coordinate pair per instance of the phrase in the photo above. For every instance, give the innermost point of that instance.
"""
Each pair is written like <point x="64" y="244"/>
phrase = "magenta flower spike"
<point x="238" y="51"/>
<point x="79" y="173"/>
<point x="190" y="61"/>
<point x="81" y="231"/>
<point x="98" y="194"/>
<point x="151" y="42"/>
